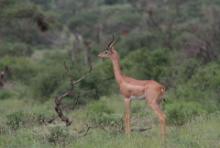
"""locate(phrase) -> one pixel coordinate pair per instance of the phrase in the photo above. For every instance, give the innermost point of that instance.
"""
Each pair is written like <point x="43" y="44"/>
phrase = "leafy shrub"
<point x="58" y="135"/>
<point x="4" y="94"/>
<point x="20" y="119"/>
<point x="122" y="18"/>
<point x="137" y="108"/>
<point x="15" y="49"/>
<point x="100" y="114"/>
<point x="98" y="108"/>
<point x="207" y="77"/>
<point x="42" y="117"/>
<point x="101" y="81"/>
<point x="20" y="22"/>
<point x="143" y="64"/>
<point x="179" y="112"/>
<point x="16" y="120"/>
<point x="22" y="69"/>
<point x="137" y="40"/>
<point x="3" y="129"/>
<point x="200" y="84"/>
<point x="84" y="22"/>
<point x="47" y="82"/>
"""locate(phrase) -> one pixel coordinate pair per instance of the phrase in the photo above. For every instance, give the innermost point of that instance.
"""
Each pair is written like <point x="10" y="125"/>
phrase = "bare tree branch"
<point x="58" y="109"/>
<point x="69" y="93"/>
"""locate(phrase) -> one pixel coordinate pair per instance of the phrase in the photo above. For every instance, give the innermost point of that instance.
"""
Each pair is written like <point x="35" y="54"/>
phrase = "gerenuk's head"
<point x="109" y="52"/>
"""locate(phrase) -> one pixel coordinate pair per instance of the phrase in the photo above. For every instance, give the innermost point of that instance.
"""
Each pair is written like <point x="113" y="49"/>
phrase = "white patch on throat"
<point x="137" y="97"/>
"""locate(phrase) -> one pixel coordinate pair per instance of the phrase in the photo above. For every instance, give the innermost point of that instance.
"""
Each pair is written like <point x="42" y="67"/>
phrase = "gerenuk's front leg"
<point x="127" y="116"/>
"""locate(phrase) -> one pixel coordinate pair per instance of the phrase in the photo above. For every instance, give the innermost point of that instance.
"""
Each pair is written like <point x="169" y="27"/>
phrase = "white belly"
<point x="137" y="97"/>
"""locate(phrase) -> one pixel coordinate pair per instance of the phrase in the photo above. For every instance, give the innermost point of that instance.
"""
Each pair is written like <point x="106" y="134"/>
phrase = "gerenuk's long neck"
<point x="117" y="67"/>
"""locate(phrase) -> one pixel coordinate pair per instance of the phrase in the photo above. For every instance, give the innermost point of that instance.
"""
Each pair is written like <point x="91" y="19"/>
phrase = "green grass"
<point x="201" y="132"/>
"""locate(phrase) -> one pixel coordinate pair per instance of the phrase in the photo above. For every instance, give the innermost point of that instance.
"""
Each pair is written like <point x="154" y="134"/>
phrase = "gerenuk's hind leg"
<point x="152" y="99"/>
<point x="161" y="116"/>
<point x="127" y="116"/>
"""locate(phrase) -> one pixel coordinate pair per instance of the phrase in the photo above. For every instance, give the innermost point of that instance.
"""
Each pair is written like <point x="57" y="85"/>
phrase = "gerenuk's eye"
<point x="106" y="52"/>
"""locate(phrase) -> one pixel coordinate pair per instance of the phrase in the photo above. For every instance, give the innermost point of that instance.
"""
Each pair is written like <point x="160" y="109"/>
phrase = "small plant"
<point x="22" y="68"/>
<point x="19" y="119"/>
<point x="5" y="94"/>
<point x="43" y="118"/>
<point x="47" y="82"/>
<point x="15" y="49"/>
<point x="104" y="117"/>
<point x="97" y="111"/>
<point x="15" y="120"/>
<point x="3" y="129"/>
<point x="58" y="135"/>
<point x="179" y="113"/>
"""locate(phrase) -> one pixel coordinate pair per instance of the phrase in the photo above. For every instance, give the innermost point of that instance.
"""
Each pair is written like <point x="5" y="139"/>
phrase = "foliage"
<point x="20" y="22"/>
<point x="46" y="83"/>
<point x="207" y="78"/>
<point x="100" y="81"/>
<point x="15" y="49"/>
<point x="22" y="68"/>
<point x="97" y="112"/>
<point x="195" y="133"/>
<point x="42" y="118"/>
<point x="143" y="64"/>
<point x="58" y="135"/>
<point x="179" y="112"/>
<point x="16" y="120"/>
<point x="103" y="116"/>
<point x="4" y="94"/>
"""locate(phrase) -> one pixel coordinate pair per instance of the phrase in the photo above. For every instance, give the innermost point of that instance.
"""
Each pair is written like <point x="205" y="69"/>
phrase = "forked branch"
<point x="69" y="93"/>
<point x="58" y="108"/>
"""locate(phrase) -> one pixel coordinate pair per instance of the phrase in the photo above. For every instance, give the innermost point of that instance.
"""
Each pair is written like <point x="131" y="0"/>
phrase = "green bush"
<point x="144" y="64"/>
<point x="16" y="120"/>
<point x="199" y="83"/>
<point x="121" y="18"/>
<point x="137" y="40"/>
<point x="42" y="117"/>
<point x="100" y="82"/>
<point x="45" y="83"/>
<point x="84" y="21"/>
<point x="20" y="119"/>
<point x="137" y="108"/>
<point x="5" y="94"/>
<point x="3" y="129"/>
<point x="99" y="107"/>
<point x="180" y="112"/>
<point x="15" y="49"/>
<point x="100" y="114"/>
<point x="22" y="69"/>
<point x="207" y="77"/>
<point x="58" y="135"/>
<point x="182" y="69"/>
